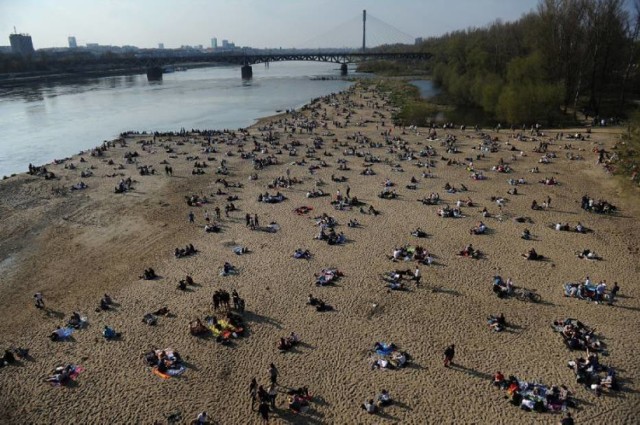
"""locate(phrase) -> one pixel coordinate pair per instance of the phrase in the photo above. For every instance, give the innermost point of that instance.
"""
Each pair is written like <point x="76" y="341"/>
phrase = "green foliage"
<point x="569" y="55"/>
<point x="393" y="68"/>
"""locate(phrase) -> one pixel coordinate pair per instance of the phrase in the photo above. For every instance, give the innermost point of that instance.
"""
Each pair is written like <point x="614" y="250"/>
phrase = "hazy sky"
<point x="257" y="23"/>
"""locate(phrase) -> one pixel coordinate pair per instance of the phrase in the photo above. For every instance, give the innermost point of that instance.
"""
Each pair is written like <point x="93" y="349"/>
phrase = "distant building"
<point x="225" y="44"/>
<point x="21" y="44"/>
<point x="5" y="49"/>
<point x="419" y="40"/>
<point x="160" y="46"/>
<point x="214" y="43"/>
<point x="92" y="45"/>
<point x="72" y="42"/>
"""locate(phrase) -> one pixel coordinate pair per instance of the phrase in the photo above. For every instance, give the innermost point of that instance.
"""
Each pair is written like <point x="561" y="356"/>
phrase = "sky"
<point x="255" y="23"/>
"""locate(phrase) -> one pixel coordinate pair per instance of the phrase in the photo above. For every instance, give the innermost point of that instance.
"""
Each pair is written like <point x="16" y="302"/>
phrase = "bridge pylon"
<point x="247" y="72"/>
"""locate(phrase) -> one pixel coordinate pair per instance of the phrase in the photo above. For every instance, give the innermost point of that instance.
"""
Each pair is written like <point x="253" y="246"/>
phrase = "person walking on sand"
<point x="613" y="292"/>
<point x="192" y="217"/>
<point x="417" y="276"/>
<point x="255" y="220"/>
<point x="273" y="393"/>
<point x="38" y="300"/>
<point x="263" y="409"/>
<point x="253" y="392"/>
<point x="449" y="353"/>
<point x="217" y="210"/>
<point x="273" y="374"/>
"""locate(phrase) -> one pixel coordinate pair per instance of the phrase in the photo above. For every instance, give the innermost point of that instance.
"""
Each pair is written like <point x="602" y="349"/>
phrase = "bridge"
<point x="154" y="64"/>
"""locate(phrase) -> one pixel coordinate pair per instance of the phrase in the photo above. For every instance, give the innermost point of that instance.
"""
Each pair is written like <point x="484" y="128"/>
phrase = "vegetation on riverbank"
<point x="568" y="56"/>
<point x="395" y="69"/>
<point x="568" y="60"/>
<point x="627" y="153"/>
<point x="411" y="109"/>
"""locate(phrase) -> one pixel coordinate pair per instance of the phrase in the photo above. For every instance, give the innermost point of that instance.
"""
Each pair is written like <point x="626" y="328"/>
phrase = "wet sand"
<point x="77" y="246"/>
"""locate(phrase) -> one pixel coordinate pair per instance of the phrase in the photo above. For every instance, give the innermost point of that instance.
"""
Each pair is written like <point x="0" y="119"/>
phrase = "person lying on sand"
<point x="285" y="344"/>
<point x="587" y="254"/>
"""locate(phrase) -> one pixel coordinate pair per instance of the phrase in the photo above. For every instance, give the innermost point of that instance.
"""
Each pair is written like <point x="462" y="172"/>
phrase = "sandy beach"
<point x="75" y="246"/>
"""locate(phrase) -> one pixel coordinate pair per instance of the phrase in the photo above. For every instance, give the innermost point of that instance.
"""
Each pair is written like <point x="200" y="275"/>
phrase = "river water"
<point x="42" y="122"/>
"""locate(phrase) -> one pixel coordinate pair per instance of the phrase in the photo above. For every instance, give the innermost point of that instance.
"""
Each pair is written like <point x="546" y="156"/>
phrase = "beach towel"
<point x="64" y="333"/>
<point x="77" y="370"/>
<point x="384" y="349"/>
<point x="160" y="374"/>
<point x="177" y="371"/>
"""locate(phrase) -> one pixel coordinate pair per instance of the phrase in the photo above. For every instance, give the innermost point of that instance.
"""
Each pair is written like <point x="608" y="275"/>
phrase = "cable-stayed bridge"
<point x="322" y="48"/>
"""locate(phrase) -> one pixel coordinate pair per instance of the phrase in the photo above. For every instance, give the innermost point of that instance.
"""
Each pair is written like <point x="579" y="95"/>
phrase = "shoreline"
<point x="74" y="246"/>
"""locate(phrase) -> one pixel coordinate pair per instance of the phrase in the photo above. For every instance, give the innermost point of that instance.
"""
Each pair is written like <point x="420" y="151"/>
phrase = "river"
<point x="43" y="122"/>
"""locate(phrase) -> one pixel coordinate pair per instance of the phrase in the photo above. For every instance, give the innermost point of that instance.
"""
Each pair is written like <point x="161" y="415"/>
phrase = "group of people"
<point x="185" y="252"/>
<point x="588" y="290"/>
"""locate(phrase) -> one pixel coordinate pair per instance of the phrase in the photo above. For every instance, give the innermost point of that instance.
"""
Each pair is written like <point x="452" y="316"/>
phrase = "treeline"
<point x="40" y="62"/>
<point x="569" y="56"/>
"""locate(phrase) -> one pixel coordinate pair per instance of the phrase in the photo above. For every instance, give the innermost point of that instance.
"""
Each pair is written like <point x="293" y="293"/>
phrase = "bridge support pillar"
<point x="247" y="72"/>
<point x="344" y="70"/>
<point x="154" y="73"/>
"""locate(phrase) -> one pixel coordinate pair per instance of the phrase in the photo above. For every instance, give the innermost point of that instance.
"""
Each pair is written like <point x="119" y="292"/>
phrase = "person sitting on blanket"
<point x="580" y="228"/>
<point x="419" y="233"/>
<point x="196" y="327"/>
<point x="532" y="255"/>
<point x="468" y="251"/>
<point x="149" y="274"/>
<point x="60" y="333"/>
<point x="396" y="285"/>
<point x="212" y="228"/>
<point x="75" y="320"/>
<point x="298" y="404"/>
<point x="398" y="359"/>
<point x="479" y="229"/>
<point x="526" y="234"/>
<point x="284" y="344"/>
<point x="227" y="268"/>
<point x="109" y="333"/>
<point x="370" y="407"/>
<point x="383" y="399"/>
<point x="497" y="323"/>
<point x="300" y="254"/>
<point x="61" y="375"/>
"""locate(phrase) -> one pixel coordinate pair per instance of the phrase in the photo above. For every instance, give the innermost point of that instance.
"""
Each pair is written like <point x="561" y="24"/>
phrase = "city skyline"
<point x="255" y="23"/>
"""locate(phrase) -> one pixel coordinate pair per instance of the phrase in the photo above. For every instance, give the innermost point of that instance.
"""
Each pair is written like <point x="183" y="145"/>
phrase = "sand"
<point x="77" y="246"/>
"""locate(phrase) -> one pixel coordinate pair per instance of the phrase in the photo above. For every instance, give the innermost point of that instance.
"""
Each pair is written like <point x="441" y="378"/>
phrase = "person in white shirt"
<point x="370" y="407"/>
<point x="384" y="399"/>
<point x="202" y="418"/>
